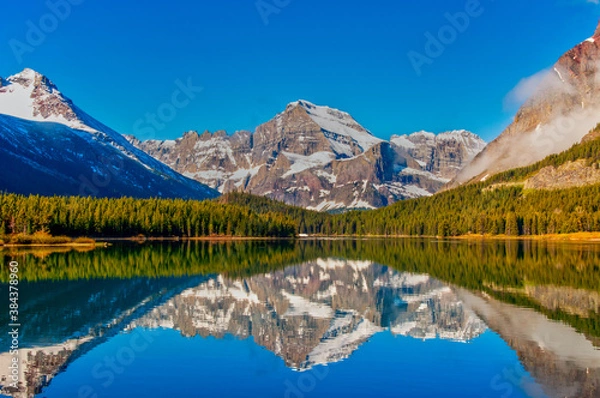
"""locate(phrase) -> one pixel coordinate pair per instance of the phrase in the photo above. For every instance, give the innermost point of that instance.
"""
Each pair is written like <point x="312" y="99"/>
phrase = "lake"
<point x="312" y="318"/>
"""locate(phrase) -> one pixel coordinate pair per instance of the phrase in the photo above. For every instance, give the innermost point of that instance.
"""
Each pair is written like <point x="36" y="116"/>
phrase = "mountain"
<point x="49" y="146"/>
<point x="442" y="155"/>
<point x="563" y="108"/>
<point x="315" y="313"/>
<point x="319" y="158"/>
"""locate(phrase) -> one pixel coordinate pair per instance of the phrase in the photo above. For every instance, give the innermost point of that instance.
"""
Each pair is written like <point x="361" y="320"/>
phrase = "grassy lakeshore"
<point x="212" y="238"/>
<point x="570" y="237"/>
<point x="567" y="237"/>
<point x="42" y="239"/>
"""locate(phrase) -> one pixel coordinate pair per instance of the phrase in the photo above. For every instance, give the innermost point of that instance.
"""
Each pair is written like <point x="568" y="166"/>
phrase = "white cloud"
<point x="547" y="79"/>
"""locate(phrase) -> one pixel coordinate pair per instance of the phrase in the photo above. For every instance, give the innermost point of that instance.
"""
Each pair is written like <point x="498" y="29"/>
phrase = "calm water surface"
<point x="409" y="318"/>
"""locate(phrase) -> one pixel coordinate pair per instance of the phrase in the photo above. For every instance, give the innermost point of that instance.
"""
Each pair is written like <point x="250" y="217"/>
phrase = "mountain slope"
<point x="319" y="158"/>
<point x="49" y="146"/>
<point x="564" y="108"/>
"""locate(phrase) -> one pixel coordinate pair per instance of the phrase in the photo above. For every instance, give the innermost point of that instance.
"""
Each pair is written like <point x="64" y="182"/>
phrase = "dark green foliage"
<point x="76" y="216"/>
<point x="309" y="222"/>
<point x="471" y="209"/>
<point x="474" y="265"/>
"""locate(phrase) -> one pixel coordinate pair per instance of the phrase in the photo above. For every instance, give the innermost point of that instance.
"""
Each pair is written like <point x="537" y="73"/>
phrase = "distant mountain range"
<point x="49" y="146"/>
<point x="319" y="158"/>
<point x="312" y="156"/>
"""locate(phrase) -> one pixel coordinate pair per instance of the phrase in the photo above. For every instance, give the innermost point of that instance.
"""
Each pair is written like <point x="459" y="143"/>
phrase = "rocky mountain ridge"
<point x="319" y="158"/>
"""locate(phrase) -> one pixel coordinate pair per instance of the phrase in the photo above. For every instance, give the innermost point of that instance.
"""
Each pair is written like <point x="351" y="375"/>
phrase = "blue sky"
<point x="119" y="60"/>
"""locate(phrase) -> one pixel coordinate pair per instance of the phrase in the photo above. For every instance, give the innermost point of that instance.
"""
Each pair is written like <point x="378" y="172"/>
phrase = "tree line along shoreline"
<point x="506" y="213"/>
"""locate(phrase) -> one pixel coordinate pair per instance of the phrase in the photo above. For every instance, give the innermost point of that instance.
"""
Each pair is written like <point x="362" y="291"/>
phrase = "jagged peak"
<point x="26" y="73"/>
<point x="423" y="133"/>
<point x="32" y="96"/>
<point x="32" y="80"/>
<point x="29" y="77"/>
<point x="445" y="134"/>
<point x="302" y="103"/>
<point x="193" y="134"/>
<point x="460" y="133"/>
<point x="310" y="106"/>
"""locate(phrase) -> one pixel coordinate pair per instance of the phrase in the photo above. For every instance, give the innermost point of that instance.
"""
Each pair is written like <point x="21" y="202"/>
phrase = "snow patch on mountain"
<point x="342" y="345"/>
<point x="300" y="306"/>
<point x="319" y="158"/>
<point x="340" y="123"/>
<point x="301" y="163"/>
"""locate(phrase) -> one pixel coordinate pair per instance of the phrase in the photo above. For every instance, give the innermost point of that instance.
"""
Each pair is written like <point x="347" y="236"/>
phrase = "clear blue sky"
<point x="119" y="60"/>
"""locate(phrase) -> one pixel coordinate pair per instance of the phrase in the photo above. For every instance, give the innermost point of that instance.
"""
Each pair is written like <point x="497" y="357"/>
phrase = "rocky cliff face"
<point x="559" y="114"/>
<point x="569" y="175"/>
<point x="443" y="155"/>
<point x="319" y="312"/>
<point x="319" y="158"/>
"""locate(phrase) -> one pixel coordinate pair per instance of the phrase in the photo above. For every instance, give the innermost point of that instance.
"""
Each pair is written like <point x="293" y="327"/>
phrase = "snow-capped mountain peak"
<point x="27" y="74"/>
<point x="335" y="121"/>
<point x="32" y="96"/>
<point x="320" y="158"/>
<point x="44" y="134"/>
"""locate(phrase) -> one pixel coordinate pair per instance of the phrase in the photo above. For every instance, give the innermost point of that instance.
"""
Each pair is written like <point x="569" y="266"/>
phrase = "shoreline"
<point x="578" y="237"/>
<point x="68" y="244"/>
<point x="592" y="237"/>
<point x="193" y="239"/>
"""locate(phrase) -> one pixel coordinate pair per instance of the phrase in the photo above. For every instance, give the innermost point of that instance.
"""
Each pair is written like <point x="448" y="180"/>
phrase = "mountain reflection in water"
<point x="321" y="312"/>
